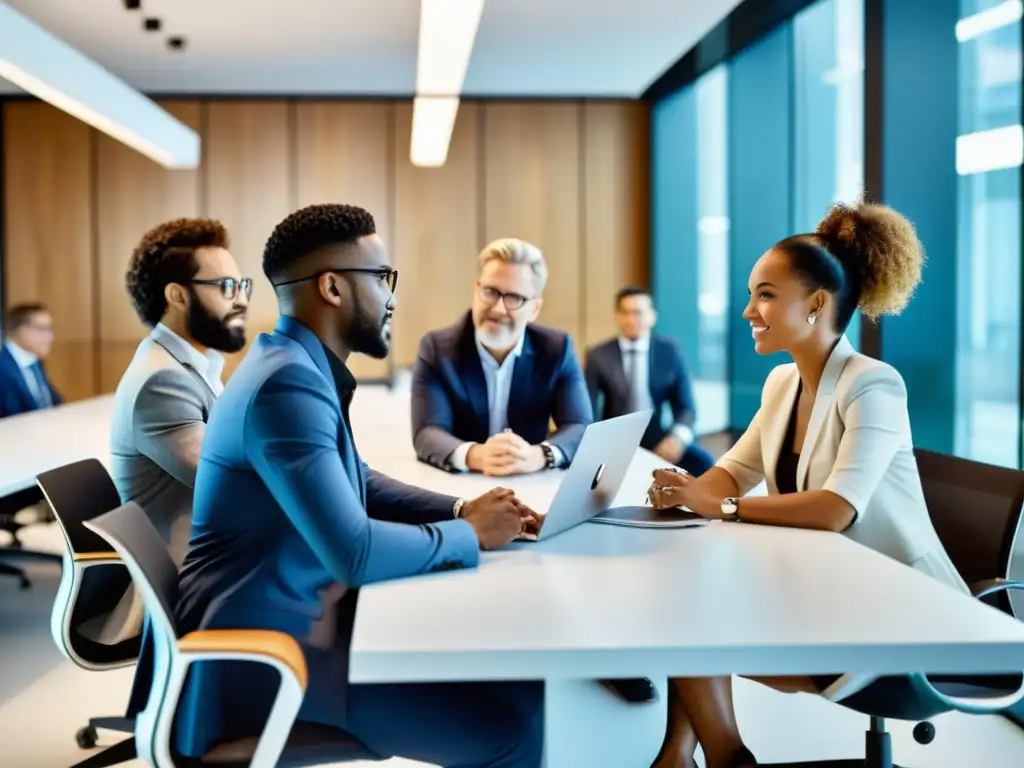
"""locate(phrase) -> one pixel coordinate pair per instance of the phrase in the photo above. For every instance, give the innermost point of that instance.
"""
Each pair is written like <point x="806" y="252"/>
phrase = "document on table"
<point x="649" y="517"/>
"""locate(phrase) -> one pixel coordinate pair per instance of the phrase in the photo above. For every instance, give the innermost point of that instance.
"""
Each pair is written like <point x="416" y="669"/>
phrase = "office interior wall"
<point x="919" y="130"/>
<point x="760" y="196"/>
<point x="570" y="176"/>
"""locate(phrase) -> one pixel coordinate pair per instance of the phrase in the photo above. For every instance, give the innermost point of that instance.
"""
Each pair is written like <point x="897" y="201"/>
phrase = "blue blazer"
<point x="449" y="392"/>
<point x="15" y="396"/>
<point x="284" y="512"/>
<point x="667" y="379"/>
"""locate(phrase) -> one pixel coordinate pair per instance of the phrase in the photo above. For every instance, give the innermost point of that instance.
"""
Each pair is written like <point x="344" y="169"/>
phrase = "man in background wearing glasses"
<point x="186" y="287"/>
<point x="24" y="385"/>
<point x="485" y="389"/>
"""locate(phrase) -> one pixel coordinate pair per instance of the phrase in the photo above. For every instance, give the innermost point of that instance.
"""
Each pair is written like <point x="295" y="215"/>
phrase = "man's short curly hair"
<point x="311" y="229"/>
<point x="167" y="254"/>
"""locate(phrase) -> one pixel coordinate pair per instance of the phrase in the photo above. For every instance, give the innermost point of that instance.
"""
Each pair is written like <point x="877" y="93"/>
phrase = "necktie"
<point x="636" y="393"/>
<point x="42" y="388"/>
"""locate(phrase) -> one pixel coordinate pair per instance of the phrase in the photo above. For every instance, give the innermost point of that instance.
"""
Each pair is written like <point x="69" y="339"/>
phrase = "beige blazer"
<point x="859" y="446"/>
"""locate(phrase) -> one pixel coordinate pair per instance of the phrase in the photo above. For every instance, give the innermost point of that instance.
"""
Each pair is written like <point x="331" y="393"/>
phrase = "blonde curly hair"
<point x="879" y="247"/>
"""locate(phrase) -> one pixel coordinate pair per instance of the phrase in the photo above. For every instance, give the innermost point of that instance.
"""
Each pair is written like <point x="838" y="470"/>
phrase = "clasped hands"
<point x="505" y="453"/>
<point x="673" y="487"/>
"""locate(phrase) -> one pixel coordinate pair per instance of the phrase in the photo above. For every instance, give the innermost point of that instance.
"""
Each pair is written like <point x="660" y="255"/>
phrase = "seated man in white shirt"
<point x="184" y="285"/>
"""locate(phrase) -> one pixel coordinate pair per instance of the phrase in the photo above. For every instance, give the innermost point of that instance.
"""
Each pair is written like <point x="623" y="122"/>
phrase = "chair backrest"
<point x="133" y="537"/>
<point x="976" y="510"/>
<point x="76" y="493"/>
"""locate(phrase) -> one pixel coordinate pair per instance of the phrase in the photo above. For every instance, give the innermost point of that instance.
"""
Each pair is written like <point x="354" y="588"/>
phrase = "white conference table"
<point x="602" y="601"/>
<point x="35" y="442"/>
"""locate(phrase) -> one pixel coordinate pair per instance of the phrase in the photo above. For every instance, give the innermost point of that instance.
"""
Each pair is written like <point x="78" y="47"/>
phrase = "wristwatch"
<point x="731" y="509"/>
<point x="549" y="455"/>
<point x="457" y="507"/>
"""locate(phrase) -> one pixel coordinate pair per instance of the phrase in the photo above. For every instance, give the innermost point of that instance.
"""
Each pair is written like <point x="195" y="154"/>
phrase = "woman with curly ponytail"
<point x="831" y="440"/>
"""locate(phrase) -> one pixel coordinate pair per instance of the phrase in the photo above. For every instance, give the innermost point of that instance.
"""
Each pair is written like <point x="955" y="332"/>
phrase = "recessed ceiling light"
<point x="176" y="43"/>
<point x="152" y="25"/>
<point x="132" y="5"/>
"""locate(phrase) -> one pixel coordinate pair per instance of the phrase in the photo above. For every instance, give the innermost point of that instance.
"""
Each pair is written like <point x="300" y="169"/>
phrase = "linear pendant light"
<point x="49" y="68"/>
<point x="447" y="33"/>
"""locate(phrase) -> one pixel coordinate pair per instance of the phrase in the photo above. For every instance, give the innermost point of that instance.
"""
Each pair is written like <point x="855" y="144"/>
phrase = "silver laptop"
<point x="595" y="474"/>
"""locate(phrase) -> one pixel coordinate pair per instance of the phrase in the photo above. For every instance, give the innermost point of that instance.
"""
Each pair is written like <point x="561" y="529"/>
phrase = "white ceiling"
<point x="523" y="48"/>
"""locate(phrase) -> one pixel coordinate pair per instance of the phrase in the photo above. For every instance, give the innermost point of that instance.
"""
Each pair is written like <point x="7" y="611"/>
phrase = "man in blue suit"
<point x="24" y="385"/>
<point x="485" y="390"/>
<point x="640" y="369"/>
<point x="286" y="516"/>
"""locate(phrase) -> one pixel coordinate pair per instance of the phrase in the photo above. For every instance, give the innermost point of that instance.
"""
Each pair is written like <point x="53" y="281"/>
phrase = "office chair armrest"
<point x="847" y="685"/>
<point x="97" y="558"/>
<point x="988" y="587"/>
<point x="275" y="649"/>
<point x="971" y="706"/>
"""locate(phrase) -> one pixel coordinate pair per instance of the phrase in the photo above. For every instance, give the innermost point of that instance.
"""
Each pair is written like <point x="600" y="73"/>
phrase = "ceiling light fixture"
<point x="989" y="20"/>
<point x="46" y="66"/>
<point x="447" y="33"/>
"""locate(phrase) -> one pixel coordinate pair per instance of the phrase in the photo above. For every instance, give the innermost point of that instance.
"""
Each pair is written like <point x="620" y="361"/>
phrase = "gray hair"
<point x="514" y="251"/>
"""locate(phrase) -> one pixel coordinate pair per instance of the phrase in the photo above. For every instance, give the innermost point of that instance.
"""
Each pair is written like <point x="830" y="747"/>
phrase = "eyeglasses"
<point x="491" y="296"/>
<point x="387" y="275"/>
<point x="229" y="286"/>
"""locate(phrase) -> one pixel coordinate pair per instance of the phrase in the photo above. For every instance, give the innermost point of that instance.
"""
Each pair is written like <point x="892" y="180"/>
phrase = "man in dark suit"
<point x="24" y="385"/>
<point x="640" y="369"/>
<point x="286" y="517"/>
<point x="485" y="390"/>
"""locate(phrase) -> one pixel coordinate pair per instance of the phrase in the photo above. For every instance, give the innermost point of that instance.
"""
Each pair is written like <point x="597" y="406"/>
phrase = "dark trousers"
<point x="696" y="460"/>
<point x="454" y="725"/>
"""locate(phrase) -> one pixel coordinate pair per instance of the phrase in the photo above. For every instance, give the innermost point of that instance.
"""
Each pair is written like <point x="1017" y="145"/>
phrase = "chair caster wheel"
<point x="25" y="583"/>
<point x="924" y="733"/>
<point x="86" y="737"/>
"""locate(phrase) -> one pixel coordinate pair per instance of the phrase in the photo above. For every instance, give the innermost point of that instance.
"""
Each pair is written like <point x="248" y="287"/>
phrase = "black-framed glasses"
<point x="492" y="296"/>
<point x="387" y="275"/>
<point x="229" y="286"/>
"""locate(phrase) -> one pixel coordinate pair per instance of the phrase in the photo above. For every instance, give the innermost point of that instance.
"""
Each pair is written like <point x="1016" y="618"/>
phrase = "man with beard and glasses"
<point x="486" y="389"/>
<point x="289" y="522"/>
<point x="186" y="287"/>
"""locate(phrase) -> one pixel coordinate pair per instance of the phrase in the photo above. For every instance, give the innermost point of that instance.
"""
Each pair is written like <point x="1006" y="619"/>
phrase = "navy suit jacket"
<point x="286" y="515"/>
<point x="15" y="396"/>
<point x="449" y="392"/>
<point x="667" y="379"/>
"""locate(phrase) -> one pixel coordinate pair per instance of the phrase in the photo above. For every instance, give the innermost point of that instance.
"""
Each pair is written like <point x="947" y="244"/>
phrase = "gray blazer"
<point x="160" y="411"/>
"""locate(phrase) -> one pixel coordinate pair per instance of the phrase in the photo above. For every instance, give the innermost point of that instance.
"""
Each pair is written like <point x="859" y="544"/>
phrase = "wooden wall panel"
<point x="345" y="155"/>
<point x="249" y="186"/>
<point x="570" y="177"/>
<point x="616" y="209"/>
<point x="437" y="231"/>
<point x="532" y="191"/>
<point x="49" y="233"/>
<point x="133" y="194"/>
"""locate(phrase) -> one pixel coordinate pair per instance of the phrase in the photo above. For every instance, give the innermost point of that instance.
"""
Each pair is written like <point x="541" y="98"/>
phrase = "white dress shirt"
<point x="638" y="353"/>
<point x="26" y="362"/>
<point x="498" y="377"/>
<point x="209" y="364"/>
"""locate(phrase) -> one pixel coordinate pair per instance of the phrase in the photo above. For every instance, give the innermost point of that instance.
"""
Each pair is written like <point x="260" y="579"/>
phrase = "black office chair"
<point x="976" y="511"/>
<point x="283" y="742"/>
<point x="93" y="581"/>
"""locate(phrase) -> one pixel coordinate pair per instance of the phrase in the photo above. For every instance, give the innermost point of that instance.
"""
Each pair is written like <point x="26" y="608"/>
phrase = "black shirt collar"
<point x="344" y="381"/>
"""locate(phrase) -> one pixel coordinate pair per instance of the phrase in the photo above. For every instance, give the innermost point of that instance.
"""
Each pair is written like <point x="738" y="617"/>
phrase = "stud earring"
<point x="811" y="319"/>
